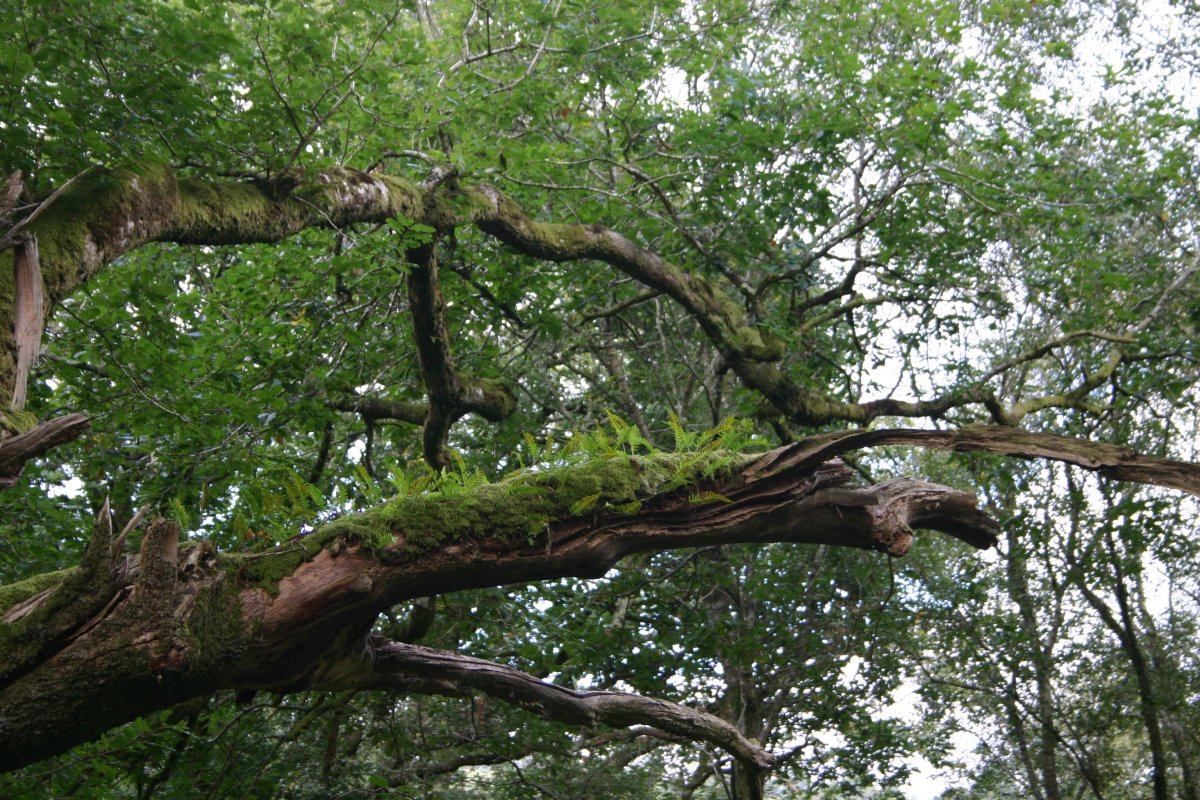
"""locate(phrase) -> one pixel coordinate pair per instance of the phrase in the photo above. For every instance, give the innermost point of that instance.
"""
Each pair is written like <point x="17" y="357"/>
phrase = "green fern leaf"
<point x="584" y="504"/>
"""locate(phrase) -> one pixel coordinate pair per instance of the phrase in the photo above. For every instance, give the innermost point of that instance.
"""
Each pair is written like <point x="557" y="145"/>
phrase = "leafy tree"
<point x="334" y="328"/>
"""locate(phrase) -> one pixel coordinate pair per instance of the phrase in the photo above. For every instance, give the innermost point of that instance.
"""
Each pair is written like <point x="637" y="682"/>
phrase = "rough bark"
<point x="110" y="640"/>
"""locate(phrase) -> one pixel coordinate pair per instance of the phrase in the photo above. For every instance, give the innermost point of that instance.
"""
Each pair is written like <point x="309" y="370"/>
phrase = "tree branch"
<point x="1109" y="460"/>
<point x="107" y="213"/>
<point x="16" y="450"/>
<point x="423" y="670"/>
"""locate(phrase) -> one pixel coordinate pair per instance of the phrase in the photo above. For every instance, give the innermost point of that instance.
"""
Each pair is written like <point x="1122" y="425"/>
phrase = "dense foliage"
<point x="986" y="208"/>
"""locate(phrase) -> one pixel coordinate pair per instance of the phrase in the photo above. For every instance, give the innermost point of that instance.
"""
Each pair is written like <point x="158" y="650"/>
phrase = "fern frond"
<point x="584" y="504"/>
<point x="683" y="439"/>
<point x="181" y="514"/>
<point x="701" y="498"/>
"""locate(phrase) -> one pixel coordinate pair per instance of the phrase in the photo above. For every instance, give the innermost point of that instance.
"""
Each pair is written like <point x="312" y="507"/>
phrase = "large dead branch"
<point x="1109" y="460"/>
<point x="184" y="621"/>
<point x="18" y="449"/>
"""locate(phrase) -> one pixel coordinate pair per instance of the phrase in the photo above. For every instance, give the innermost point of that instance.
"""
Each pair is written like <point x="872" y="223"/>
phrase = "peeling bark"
<point x="30" y="315"/>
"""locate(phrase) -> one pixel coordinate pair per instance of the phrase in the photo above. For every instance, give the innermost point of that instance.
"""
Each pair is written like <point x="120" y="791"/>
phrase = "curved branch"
<point x="747" y="350"/>
<point x="107" y="213"/>
<point x="1109" y="460"/>
<point x="424" y="670"/>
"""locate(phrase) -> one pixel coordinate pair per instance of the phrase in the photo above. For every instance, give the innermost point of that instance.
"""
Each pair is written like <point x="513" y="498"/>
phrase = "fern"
<point x="683" y="440"/>
<point x="181" y="514"/>
<point x="530" y="453"/>
<point x="584" y="504"/>
<point x="632" y="507"/>
<point x="702" y="498"/>
<point x="367" y="486"/>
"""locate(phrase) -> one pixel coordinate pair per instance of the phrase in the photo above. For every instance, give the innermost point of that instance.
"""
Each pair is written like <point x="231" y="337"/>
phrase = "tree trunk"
<point x="1042" y="657"/>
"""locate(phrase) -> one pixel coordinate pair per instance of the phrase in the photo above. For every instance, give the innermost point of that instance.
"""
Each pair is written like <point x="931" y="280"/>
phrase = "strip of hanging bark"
<point x="29" y="307"/>
<point x="16" y="450"/>
<point x="424" y="670"/>
<point x="1110" y="460"/>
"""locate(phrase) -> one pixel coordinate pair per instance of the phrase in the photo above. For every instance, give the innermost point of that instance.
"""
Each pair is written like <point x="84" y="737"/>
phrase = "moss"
<point x="757" y="345"/>
<point x="31" y="628"/>
<point x="17" y="592"/>
<point x="518" y="508"/>
<point x="17" y="421"/>
<point x="216" y="628"/>
<point x="234" y="213"/>
<point x="268" y="569"/>
<point x="99" y="217"/>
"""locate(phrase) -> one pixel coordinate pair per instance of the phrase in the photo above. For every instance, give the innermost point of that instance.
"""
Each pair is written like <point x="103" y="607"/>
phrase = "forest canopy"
<point x="528" y="399"/>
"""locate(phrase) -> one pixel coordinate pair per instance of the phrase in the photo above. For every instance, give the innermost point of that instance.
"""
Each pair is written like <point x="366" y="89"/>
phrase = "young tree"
<point x="266" y="259"/>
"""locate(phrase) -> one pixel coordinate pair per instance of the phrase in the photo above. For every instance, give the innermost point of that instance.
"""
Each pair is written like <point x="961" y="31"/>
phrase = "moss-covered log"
<point x="108" y="641"/>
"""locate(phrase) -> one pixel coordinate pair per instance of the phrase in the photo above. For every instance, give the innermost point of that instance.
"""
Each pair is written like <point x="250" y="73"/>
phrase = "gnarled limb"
<point x="105" y="214"/>
<point x="415" y="669"/>
<point x="450" y="394"/>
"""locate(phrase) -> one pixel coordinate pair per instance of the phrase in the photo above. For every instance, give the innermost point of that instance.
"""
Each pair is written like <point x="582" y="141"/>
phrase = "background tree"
<point x="285" y="254"/>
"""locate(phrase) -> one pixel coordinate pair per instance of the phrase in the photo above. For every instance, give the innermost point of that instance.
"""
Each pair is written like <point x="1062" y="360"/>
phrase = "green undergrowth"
<point x="608" y="470"/>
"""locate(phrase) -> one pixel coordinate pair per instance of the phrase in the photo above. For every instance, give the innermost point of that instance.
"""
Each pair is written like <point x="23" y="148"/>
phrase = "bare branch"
<point x="412" y="668"/>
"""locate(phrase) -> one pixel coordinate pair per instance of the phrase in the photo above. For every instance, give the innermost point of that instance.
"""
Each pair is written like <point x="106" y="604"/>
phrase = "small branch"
<point x="637" y="299"/>
<point x="1052" y="344"/>
<point x="16" y="450"/>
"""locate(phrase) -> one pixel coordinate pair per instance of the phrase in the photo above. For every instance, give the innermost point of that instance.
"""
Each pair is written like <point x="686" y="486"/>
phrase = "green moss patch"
<point x="516" y="509"/>
<point x="20" y="591"/>
<point x="520" y="507"/>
